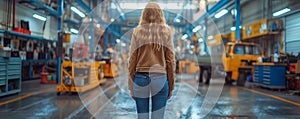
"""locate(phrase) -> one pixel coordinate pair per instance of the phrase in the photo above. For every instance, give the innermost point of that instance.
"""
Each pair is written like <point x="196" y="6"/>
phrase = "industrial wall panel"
<point x="292" y="29"/>
<point x="25" y="13"/>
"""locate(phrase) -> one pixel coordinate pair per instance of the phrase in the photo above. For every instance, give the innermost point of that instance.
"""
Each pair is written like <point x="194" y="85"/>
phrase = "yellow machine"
<point x="187" y="66"/>
<point x="110" y="70"/>
<point x="237" y="57"/>
<point x="80" y="76"/>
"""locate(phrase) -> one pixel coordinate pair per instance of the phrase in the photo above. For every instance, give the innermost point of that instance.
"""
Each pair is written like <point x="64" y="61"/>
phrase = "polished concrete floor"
<point x="112" y="101"/>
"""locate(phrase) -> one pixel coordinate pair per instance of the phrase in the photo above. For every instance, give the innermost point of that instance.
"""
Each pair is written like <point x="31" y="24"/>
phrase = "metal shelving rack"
<point x="10" y="76"/>
<point x="31" y="62"/>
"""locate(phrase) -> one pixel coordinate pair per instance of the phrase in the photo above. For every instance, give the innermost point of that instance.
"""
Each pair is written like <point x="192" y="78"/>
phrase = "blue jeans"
<point x="154" y="85"/>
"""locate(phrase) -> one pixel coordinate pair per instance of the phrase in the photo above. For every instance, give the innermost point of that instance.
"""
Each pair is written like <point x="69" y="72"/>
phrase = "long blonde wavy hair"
<point x="152" y="27"/>
<point x="152" y="14"/>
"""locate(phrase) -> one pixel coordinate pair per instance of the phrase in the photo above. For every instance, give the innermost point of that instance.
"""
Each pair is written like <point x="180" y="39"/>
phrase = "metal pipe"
<point x="46" y="8"/>
<point x="14" y="14"/>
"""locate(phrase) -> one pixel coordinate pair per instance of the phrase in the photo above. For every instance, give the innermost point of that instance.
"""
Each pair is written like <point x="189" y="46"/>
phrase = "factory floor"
<point x="111" y="101"/>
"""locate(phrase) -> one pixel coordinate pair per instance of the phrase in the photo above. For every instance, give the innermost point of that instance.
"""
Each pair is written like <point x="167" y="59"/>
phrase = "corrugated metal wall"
<point x="292" y="33"/>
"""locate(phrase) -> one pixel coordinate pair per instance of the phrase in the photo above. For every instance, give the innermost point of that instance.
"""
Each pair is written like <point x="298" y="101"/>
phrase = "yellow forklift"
<point x="79" y="73"/>
<point x="80" y="76"/>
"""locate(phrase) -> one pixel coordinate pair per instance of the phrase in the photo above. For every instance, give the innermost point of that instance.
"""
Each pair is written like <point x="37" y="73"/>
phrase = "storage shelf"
<point x="25" y="35"/>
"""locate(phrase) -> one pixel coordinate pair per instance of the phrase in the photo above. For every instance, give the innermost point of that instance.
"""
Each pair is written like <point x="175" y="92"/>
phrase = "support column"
<point x="206" y="28"/>
<point x="237" y="20"/>
<point x="60" y="39"/>
<point x="91" y="34"/>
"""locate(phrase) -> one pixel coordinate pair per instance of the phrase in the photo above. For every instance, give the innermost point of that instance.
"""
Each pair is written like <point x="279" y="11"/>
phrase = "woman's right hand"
<point x="170" y="94"/>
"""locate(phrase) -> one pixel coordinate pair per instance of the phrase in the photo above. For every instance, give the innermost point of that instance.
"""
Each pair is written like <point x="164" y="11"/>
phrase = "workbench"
<point x="269" y="75"/>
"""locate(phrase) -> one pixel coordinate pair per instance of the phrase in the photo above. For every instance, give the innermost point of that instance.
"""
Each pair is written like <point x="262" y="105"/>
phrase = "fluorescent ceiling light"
<point x="221" y="13"/>
<point x="39" y="17"/>
<point x="123" y="44"/>
<point x="74" y="30"/>
<point x="178" y="20"/>
<point x="233" y="12"/>
<point x="98" y="25"/>
<point x="197" y="28"/>
<point x="112" y="19"/>
<point x="77" y="11"/>
<point x="280" y="12"/>
<point x="118" y="40"/>
<point x="200" y="40"/>
<point x="184" y="36"/>
<point x="233" y="28"/>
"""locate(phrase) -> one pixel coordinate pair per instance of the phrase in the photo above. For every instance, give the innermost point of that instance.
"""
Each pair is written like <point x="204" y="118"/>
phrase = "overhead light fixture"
<point x="74" y="30"/>
<point x="40" y="17"/>
<point x="234" y="28"/>
<point x="221" y="13"/>
<point x="233" y="12"/>
<point x="280" y="12"/>
<point x="112" y="19"/>
<point x="210" y="37"/>
<point x="178" y="20"/>
<point x="200" y="40"/>
<point x="118" y="40"/>
<point x="77" y="11"/>
<point x="197" y="28"/>
<point x="123" y="44"/>
<point x="98" y="25"/>
<point x="184" y="36"/>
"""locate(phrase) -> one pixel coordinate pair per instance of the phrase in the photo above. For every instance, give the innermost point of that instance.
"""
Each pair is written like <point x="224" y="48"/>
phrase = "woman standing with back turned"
<point x="151" y="63"/>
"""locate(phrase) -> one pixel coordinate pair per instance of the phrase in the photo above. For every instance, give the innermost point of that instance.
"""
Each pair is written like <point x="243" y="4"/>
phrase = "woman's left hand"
<point x="131" y="94"/>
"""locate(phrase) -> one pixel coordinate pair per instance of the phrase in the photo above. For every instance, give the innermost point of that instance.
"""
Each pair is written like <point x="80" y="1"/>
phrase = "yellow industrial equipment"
<point x="237" y="58"/>
<point x="80" y="76"/>
<point x="110" y="70"/>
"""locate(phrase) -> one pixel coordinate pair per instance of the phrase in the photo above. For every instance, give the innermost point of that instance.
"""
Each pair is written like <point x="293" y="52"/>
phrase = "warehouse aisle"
<point x="114" y="102"/>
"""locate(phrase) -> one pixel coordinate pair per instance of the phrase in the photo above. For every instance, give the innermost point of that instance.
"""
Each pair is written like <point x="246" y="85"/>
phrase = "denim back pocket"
<point x="141" y="79"/>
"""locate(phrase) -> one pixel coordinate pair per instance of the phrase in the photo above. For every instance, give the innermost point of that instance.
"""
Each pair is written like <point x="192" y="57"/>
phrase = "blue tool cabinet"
<point x="270" y="76"/>
<point x="10" y="75"/>
<point x="257" y="75"/>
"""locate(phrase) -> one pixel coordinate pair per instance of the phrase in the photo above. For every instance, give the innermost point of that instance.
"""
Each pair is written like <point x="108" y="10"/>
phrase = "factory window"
<point x="256" y="50"/>
<point x="248" y="50"/>
<point x="239" y="49"/>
